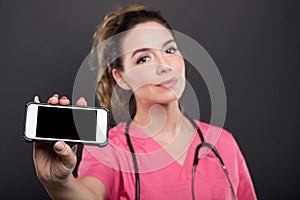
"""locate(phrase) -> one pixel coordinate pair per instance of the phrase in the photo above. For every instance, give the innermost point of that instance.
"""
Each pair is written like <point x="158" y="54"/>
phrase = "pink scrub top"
<point x="161" y="176"/>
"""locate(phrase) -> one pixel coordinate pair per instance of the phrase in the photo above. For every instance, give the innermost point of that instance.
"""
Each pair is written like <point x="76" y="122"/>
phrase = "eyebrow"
<point x="146" y="49"/>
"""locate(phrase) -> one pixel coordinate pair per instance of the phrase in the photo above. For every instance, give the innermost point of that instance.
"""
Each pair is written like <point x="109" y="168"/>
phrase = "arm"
<point x="245" y="188"/>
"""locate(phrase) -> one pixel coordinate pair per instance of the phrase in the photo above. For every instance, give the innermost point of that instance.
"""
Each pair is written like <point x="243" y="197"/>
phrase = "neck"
<point x="159" y="119"/>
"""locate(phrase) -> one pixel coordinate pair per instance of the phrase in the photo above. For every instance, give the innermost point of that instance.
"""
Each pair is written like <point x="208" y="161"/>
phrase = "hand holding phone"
<point x="55" y="162"/>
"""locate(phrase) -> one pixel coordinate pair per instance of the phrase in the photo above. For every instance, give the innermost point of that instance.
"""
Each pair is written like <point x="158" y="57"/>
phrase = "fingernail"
<point x="59" y="146"/>
<point x="81" y="99"/>
<point x="63" y="97"/>
<point x="55" y="95"/>
<point x="36" y="99"/>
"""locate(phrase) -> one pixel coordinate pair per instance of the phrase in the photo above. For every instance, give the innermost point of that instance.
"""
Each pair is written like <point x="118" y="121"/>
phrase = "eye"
<point x="171" y="50"/>
<point x="142" y="59"/>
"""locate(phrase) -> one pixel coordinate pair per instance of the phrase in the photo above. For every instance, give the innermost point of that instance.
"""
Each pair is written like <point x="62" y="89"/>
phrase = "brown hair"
<point x="115" y="22"/>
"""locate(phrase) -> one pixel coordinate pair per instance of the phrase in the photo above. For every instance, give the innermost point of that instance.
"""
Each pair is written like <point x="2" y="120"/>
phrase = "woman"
<point x="154" y="155"/>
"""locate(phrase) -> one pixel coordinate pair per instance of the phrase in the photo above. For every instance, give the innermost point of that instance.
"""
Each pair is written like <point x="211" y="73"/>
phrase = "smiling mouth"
<point x="168" y="83"/>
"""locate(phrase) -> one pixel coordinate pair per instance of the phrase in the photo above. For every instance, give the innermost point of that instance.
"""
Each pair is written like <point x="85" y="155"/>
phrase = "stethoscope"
<point x="195" y="163"/>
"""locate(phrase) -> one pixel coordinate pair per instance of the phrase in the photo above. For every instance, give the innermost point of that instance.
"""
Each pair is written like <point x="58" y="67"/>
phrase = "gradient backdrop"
<point x="255" y="44"/>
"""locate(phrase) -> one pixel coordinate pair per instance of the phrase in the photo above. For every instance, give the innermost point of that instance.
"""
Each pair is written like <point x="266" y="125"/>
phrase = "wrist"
<point x="59" y="184"/>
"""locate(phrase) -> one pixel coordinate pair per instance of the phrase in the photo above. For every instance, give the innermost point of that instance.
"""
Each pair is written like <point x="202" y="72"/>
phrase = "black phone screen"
<point x="66" y="123"/>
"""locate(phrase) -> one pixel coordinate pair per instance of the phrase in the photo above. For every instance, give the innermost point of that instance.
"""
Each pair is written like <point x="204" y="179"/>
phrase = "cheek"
<point x="143" y="92"/>
<point x="140" y="76"/>
<point x="179" y="65"/>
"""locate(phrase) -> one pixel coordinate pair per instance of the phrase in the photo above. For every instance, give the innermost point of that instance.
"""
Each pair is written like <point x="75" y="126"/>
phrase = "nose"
<point x="163" y="65"/>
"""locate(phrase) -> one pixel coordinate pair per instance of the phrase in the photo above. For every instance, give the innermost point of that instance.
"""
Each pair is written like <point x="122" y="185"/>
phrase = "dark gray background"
<point x="254" y="43"/>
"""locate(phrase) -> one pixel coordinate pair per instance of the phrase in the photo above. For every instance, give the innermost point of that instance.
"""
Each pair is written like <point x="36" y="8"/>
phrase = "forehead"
<point x="145" y="35"/>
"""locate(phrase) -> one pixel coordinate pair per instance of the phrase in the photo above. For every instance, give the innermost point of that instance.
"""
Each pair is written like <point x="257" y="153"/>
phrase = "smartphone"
<point x="87" y="125"/>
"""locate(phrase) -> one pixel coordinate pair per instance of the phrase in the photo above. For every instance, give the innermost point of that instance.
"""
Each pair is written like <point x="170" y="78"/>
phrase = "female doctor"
<point x="154" y="154"/>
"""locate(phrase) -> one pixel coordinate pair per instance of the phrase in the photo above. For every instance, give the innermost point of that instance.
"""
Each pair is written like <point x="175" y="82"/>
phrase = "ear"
<point x="118" y="76"/>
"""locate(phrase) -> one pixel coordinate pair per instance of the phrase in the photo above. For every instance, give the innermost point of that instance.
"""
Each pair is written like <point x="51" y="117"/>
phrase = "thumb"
<point x="67" y="155"/>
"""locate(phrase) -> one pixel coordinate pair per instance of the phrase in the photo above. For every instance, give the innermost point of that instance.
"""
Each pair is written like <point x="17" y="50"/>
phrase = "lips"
<point x="168" y="83"/>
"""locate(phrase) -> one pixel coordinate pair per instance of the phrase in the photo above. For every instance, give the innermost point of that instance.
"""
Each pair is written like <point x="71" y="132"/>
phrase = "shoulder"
<point x="117" y="135"/>
<point x="214" y="133"/>
<point x="116" y="142"/>
<point x="221" y="138"/>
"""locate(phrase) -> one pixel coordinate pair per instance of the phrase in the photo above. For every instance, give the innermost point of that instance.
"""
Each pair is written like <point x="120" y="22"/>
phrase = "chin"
<point x="166" y="100"/>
